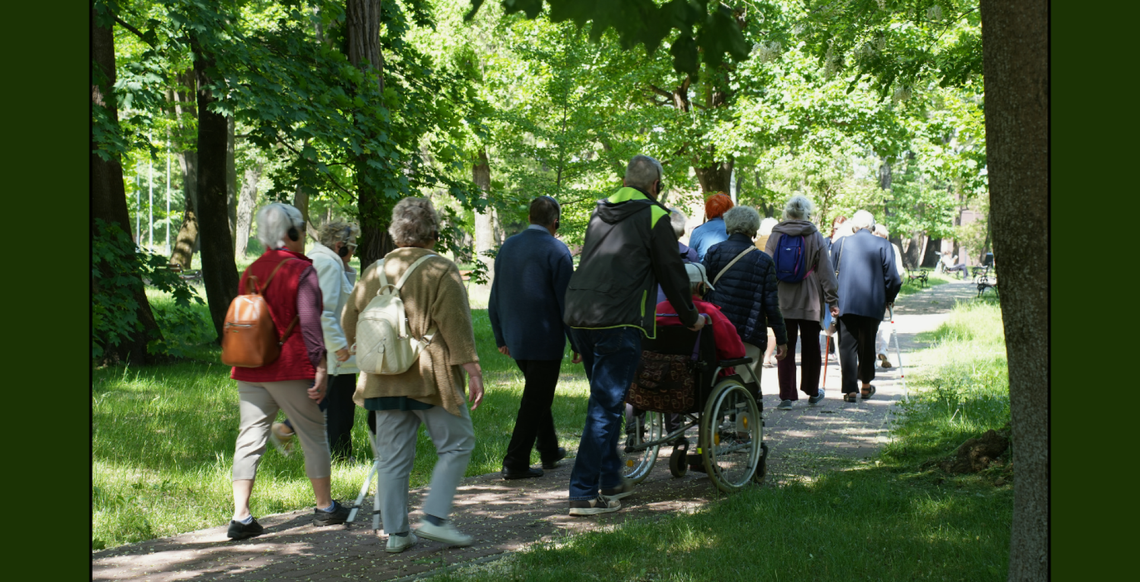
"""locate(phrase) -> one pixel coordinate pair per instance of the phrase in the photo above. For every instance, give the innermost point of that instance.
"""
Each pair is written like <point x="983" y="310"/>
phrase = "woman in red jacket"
<point x="295" y="382"/>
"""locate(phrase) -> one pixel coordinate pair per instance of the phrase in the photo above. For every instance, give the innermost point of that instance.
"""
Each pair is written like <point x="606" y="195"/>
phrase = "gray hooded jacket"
<point x="805" y="300"/>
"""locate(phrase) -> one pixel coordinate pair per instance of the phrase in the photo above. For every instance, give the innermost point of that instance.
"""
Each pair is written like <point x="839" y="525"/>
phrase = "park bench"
<point x="184" y="274"/>
<point x="984" y="281"/>
<point x="919" y="275"/>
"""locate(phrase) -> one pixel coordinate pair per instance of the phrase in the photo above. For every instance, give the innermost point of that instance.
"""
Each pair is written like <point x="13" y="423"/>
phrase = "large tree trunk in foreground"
<point x="246" y="201"/>
<point x="219" y="271"/>
<point x="108" y="195"/>
<point x="362" y="19"/>
<point x="1016" y="63"/>
<point x="484" y="221"/>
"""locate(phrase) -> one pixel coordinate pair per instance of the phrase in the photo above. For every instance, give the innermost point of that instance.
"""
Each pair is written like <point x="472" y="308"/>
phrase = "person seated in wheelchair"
<point x="728" y="345"/>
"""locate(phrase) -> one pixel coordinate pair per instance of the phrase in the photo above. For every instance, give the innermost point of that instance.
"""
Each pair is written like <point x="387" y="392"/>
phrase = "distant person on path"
<point x="746" y="292"/>
<point x="296" y="381"/>
<point x="868" y="282"/>
<point x="881" y="337"/>
<point x="629" y="247"/>
<point x="528" y="296"/>
<point x="803" y="303"/>
<point x="688" y="255"/>
<point x="431" y="391"/>
<point x="712" y="231"/>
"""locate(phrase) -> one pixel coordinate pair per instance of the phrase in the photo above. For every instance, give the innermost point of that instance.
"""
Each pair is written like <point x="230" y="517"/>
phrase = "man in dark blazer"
<point x="868" y="282"/>
<point x="528" y="297"/>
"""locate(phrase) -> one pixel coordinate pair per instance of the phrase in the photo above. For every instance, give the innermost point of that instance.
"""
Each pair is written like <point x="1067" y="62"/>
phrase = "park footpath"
<point x="504" y="516"/>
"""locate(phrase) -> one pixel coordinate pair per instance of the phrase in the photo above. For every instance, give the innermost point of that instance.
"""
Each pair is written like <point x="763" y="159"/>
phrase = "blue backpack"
<point x="791" y="260"/>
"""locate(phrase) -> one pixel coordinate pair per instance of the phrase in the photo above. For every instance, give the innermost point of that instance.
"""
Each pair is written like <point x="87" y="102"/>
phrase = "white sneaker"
<point x="397" y="544"/>
<point x="281" y="439"/>
<point x="445" y="533"/>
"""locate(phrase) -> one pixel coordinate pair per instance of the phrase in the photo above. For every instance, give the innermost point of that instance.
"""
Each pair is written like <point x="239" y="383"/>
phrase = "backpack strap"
<point x="256" y="291"/>
<point x="426" y="341"/>
<point x="733" y="262"/>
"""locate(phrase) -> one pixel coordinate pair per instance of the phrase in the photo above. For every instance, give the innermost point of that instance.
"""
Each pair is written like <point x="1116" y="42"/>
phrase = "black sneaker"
<point x="339" y="514"/>
<point x="594" y="506"/>
<point x="625" y="489"/>
<point x="241" y="531"/>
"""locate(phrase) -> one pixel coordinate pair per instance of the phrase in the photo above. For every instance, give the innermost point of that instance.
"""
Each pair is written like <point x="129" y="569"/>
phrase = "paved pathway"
<point x="804" y="442"/>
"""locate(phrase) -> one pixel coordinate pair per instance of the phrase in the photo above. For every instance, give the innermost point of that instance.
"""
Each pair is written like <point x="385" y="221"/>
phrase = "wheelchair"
<point x="726" y="413"/>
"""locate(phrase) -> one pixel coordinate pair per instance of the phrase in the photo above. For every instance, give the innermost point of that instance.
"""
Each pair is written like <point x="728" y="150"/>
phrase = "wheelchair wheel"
<point x="731" y="436"/>
<point x="637" y="458"/>
<point x="678" y="463"/>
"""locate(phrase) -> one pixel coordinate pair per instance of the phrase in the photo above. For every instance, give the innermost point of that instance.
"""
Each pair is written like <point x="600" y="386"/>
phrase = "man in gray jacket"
<point x="868" y="282"/>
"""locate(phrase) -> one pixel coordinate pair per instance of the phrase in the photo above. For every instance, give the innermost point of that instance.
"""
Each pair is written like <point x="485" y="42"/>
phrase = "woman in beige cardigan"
<point x="431" y="392"/>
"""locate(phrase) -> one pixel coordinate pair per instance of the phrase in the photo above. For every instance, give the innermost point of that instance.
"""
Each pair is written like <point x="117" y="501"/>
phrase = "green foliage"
<point x="118" y="267"/>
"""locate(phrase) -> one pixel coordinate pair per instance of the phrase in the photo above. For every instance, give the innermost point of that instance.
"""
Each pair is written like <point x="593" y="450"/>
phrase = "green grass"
<point x="889" y="519"/>
<point x="912" y="287"/>
<point x="163" y="442"/>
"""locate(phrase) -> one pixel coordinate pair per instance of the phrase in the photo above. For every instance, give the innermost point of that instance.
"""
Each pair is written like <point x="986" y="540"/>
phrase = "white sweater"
<point x="336" y="281"/>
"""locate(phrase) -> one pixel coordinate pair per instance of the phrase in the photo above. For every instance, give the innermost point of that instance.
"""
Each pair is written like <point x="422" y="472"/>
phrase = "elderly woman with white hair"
<point x="881" y="340"/>
<point x="431" y="391"/>
<point x="807" y="288"/>
<point x="745" y="282"/>
<point x="296" y="381"/>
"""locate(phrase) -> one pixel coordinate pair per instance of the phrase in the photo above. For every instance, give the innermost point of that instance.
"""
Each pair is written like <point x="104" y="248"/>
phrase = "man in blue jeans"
<point x="630" y="247"/>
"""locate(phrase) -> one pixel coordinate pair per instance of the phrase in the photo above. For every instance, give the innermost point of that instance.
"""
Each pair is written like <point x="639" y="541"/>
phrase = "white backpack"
<point x="383" y="344"/>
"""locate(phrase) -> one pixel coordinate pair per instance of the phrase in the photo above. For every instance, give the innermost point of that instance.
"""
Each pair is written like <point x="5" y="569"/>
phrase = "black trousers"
<point x="534" y="426"/>
<point x="857" y="350"/>
<point x="340" y="413"/>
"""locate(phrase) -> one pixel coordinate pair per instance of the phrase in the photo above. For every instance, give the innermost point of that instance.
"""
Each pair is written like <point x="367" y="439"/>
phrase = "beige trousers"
<point x="259" y="404"/>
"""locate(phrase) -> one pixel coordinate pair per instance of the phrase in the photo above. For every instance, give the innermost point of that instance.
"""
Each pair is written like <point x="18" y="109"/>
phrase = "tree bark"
<point x="231" y="177"/>
<point x="187" y="241"/>
<point x="108" y="194"/>
<point x="219" y="271"/>
<point x="484" y="221"/>
<point x="362" y="18"/>
<point x="715" y="178"/>
<point x="1015" y="54"/>
<point x="246" y="201"/>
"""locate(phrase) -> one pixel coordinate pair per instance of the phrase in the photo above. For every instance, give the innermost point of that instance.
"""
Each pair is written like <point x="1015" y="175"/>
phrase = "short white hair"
<point x="798" y="208"/>
<point x="767" y="225"/>
<point x="678" y="220"/>
<point x="273" y="224"/>
<point x="881" y="230"/>
<point x="862" y="219"/>
<point x="743" y="220"/>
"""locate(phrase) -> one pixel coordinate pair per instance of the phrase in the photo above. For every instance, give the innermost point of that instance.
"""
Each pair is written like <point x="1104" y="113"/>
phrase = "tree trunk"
<point x="715" y="178"/>
<point x="108" y="194"/>
<point x="187" y="241"/>
<point x="231" y="177"/>
<point x="1015" y="45"/>
<point x="246" y="201"/>
<point x="362" y="19"/>
<point x="219" y="272"/>
<point x="484" y="221"/>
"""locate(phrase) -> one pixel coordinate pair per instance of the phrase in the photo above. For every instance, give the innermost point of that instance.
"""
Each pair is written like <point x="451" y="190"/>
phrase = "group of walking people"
<point x="633" y="267"/>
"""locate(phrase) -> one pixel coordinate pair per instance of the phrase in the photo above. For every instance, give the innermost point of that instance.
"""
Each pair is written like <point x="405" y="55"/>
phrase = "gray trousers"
<point x="454" y="439"/>
<point x="259" y="405"/>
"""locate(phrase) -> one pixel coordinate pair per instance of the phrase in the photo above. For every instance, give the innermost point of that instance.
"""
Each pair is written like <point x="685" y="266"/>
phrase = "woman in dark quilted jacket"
<point x="746" y="286"/>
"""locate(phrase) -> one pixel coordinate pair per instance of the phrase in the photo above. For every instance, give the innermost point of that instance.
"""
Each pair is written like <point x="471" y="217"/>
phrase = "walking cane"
<point x="898" y="354"/>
